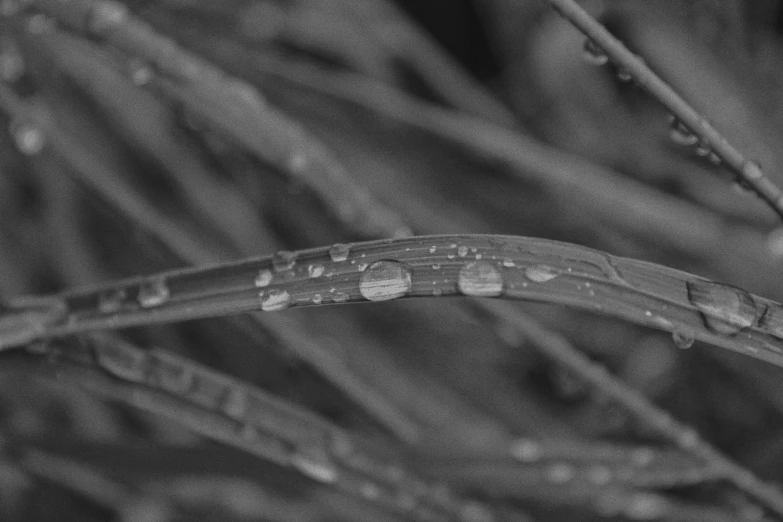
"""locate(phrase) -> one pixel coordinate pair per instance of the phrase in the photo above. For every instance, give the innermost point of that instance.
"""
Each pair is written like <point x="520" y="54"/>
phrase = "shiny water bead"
<point x="283" y="260"/>
<point x="682" y="341"/>
<point x="593" y="53"/>
<point x="264" y="278"/>
<point x="339" y="252"/>
<point x="681" y="134"/>
<point x="153" y="293"/>
<point x="480" y="279"/>
<point x="318" y="299"/>
<point x="317" y="469"/>
<point x="28" y="138"/>
<point x="703" y="149"/>
<point x="725" y="309"/>
<point x="462" y="251"/>
<point x="508" y="263"/>
<point x="315" y="270"/>
<point x="384" y="280"/>
<point x="540" y="273"/>
<point x="275" y="299"/>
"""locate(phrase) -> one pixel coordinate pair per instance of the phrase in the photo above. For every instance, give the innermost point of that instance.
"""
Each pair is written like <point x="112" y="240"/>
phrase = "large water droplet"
<point x="263" y="278"/>
<point x="320" y="470"/>
<point x="772" y="320"/>
<point x="28" y="138"/>
<point x="153" y="293"/>
<point x="725" y="309"/>
<point x="315" y="270"/>
<point x="462" y="251"/>
<point x="283" y="260"/>
<point x="594" y="54"/>
<point x="274" y="300"/>
<point x="384" y="280"/>
<point x="540" y="273"/>
<point x="480" y="279"/>
<point x="681" y="134"/>
<point x="339" y="252"/>
<point x="682" y="341"/>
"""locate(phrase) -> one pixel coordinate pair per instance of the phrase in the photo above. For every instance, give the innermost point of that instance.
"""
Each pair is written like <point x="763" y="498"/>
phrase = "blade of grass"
<point x="747" y="170"/>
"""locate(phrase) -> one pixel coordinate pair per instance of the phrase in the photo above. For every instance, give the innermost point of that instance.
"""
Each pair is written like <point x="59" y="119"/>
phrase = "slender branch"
<point x="747" y="170"/>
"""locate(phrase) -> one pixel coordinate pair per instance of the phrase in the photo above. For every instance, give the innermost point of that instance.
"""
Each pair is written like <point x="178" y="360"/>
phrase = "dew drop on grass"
<point x="725" y="309"/>
<point x="318" y="299"/>
<point x="480" y="279"/>
<point x="594" y="54"/>
<point x="339" y="252"/>
<point x="322" y="471"/>
<point x="384" y="280"/>
<point x="153" y="293"/>
<point x="703" y="149"/>
<point x="682" y="341"/>
<point x="681" y="134"/>
<point x="28" y="138"/>
<point x="274" y="300"/>
<point x="540" y="273"/>
<point x="340" y="297"/>
<point x="508" y="263"/>
<point x="772" y="320"/>
<point x="462" y="251"/>
<point x="283" y="260"/>
<point x="315" y="270"/>
<point x="263" y="278"/>
<point x="752" y="170"/>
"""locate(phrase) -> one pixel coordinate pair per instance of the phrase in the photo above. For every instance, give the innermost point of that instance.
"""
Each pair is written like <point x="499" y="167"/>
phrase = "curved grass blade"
<point x="242" y="416"/>
<point x="508" y="267"/>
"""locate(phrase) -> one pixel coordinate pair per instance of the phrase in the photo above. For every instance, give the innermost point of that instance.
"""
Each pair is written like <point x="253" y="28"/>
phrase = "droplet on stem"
<point x="153" y="293"/>
<point x="275" y="299"/>
<point x="540" y="273"/>
<point x="593" y="53"/>
<point x="725" y="309"/>
<point x="315" y="270"/>
<point x="681" y="134"/>
<point x="480" y="279"/>
<point x="682" y="341"/>
<point x="283" y="260"/>
<point x="264" y="278"/>
<point x="384" y="280"/>
<point x="339" y="252"/>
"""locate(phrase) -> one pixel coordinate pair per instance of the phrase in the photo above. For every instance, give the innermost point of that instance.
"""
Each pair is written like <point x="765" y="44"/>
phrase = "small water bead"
<point x="509" y="263"/>
<point x="339" y="252"/>
<point x="132" y="365"/>
<point x="275" y="299"/>
<point x="283" y="260"/>
<point x="682" y="341"/>
<point x="594" y="54"/>
<point x="526" y="450"/>
<point x="263" y="278"/>
<point x="315" y="270"/>
<point x="462" y="251"/>
<point x="752" y="170"/>
<point x="153" y="293"/>
<point x="681" y="134"/>
<point x="432" y="249"/>
<point x="725" y="309"/>
<point x="560" y="473"/>
<point x="340" y="297"/>
<point x="540" y="273"/>
<point x="29" y="139"/>
<point x="384" y="280"/>
<point x="111" y="301"/>
<point x="318" y="299"/>
<point x="480" y="279"/>
<point x="450" y="256"/>
<point x="714" y="158"/>
<point x="703" y="149"/>
<point x="436" y="266"/>
<point x="322" y="471"/>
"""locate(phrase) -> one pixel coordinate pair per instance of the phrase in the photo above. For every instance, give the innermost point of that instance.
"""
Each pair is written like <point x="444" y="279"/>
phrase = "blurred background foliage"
<point x="503" y="127"/>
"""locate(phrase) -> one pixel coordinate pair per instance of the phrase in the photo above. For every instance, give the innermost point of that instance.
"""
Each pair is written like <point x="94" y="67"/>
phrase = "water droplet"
<point x="526" y="450"/>
<point x="111" y="301"/>
<point x="153" y="293"/>
<point x="703" y="149"/>
<point x="540" y="273"/>
<point x="340" y="297"/>
<point x="437" y="292"/>
<point x="28" y="138"/>
<point x="600" y="475"/>
<point x="560" y="473"/>
<point x="318" y="299"/>
<point x="509" y="263"/>
<point x="432" y="249"/>
<point x="480" y="279"/>
<point x="322" y="471"/>
<point x="682" y="341"/>
<point x="725" y="309"/>
<point x="263" y="278"/>
<point x="107" y="14"/>
<point x="315" y="270"/>
<point x="624" y="76"/>
<point x="594" y="54"/>
<point x="462" y="251"/>
<point x="384" y="280"/>
<point x="436" y="266"/>
<point x="283" y="260"/>
<point x="752" y="170"/>
<point x="681" y="134"/>
<point x="235" y="403"/>
<point x="772" y="320"/>
<point x="339" y="252"/>
<point x="450" y="256"/>
<point x="274" y="300"/>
